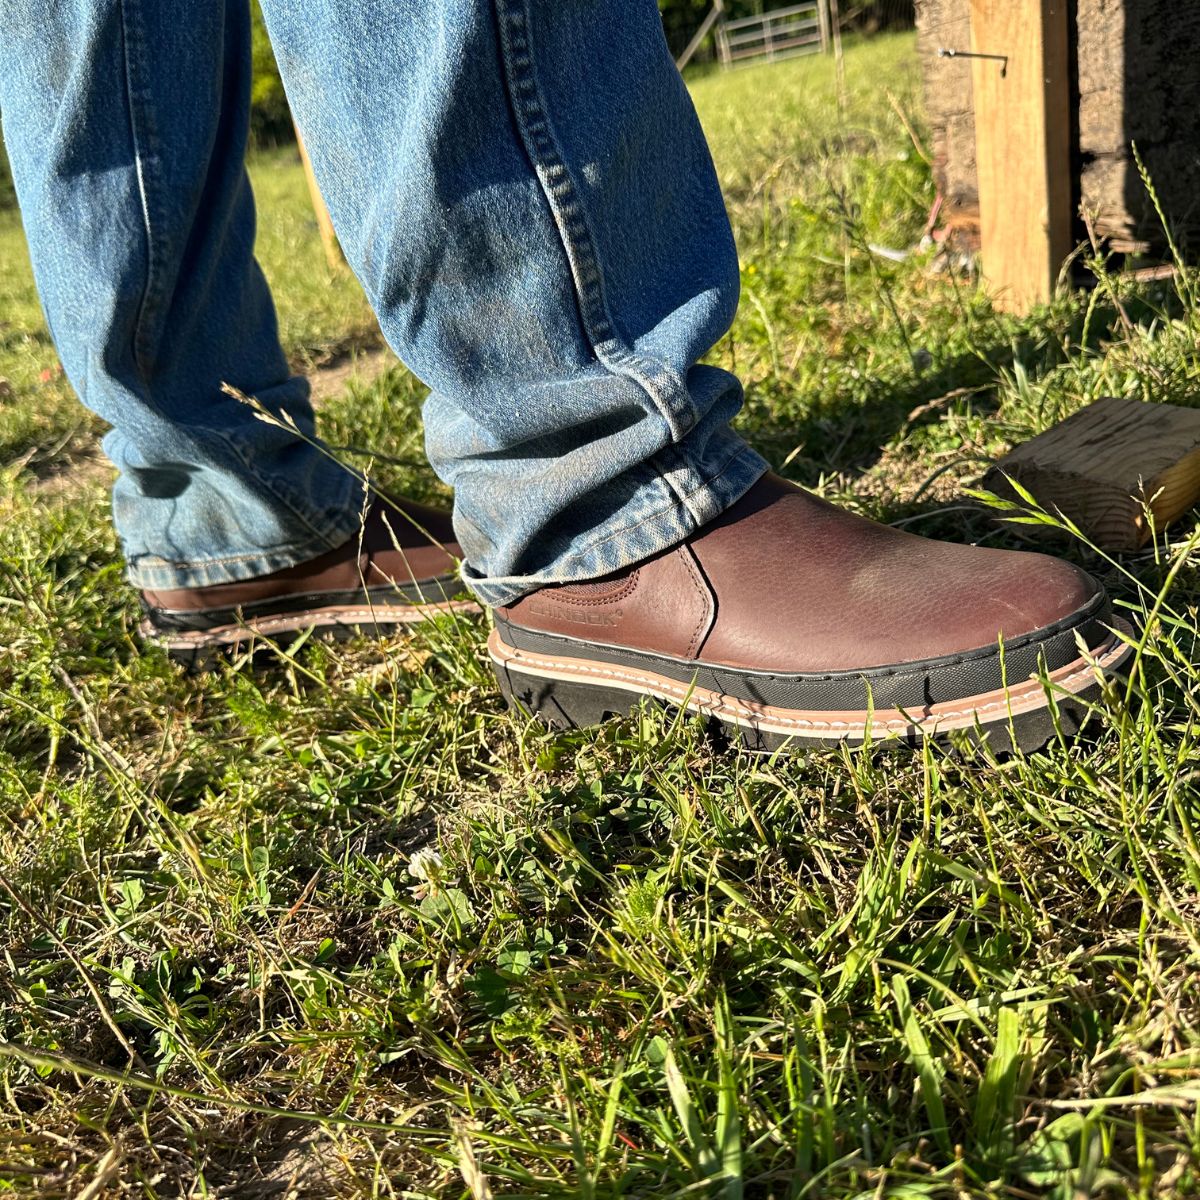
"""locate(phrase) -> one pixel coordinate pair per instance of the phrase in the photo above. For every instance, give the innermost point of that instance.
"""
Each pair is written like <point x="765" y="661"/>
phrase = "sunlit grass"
<point x="366" y="933"/>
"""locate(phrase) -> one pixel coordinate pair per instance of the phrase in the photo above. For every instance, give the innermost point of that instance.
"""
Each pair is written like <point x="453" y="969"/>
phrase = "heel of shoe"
<point x="560" y="704"/>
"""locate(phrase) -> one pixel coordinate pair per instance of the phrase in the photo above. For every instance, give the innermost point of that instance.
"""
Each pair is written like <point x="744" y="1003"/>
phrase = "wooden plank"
<point x="1106" y="465"/>
<point x="1022" y="143"/>
<point x="698" y="40"/>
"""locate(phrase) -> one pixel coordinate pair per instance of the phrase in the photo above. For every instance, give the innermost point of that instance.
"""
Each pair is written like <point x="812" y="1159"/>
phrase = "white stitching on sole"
<point x="1106" y="656"/>
<point x="328" y="618"/>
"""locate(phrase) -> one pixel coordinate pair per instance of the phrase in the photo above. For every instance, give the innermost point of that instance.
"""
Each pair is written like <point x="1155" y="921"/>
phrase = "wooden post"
<point x="714" y="15"/>
<point x="333" y="250"/>
<point x="823" y="23"/>
<point x="835" y="29"/>
<point x="1022" y="146"/>
<point x="723" y="44"/>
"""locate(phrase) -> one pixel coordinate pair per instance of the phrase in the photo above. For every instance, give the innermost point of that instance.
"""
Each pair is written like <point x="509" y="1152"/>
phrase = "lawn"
<point x="350" y="928"/>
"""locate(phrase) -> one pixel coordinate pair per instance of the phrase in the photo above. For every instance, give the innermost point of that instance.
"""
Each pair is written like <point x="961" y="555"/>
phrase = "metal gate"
<point x="780" y="33"/>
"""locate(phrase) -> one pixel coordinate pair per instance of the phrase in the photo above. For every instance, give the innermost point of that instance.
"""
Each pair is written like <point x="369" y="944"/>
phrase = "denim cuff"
<point x="677" y="497"/>
<point x="150" y="573"/>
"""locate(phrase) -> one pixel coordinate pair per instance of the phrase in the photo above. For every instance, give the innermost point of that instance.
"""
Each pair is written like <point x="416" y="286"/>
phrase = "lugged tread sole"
<point x="577" y="693"/>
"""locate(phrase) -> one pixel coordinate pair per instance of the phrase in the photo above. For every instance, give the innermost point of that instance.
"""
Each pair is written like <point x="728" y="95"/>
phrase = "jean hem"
<point x="676" y="513"/>
<point x="149" y="573"/>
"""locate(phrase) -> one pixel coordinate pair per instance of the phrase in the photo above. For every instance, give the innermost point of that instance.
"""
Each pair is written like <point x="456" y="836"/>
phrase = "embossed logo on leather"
<point x="575" y="617"/>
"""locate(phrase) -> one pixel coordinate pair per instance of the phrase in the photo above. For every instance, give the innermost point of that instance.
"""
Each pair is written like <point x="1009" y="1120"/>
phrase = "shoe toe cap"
<point x="1048" y="592"/>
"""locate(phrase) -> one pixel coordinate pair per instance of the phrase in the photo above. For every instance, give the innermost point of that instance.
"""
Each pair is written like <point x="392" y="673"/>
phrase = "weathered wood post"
<point x="697" y="41"/>
<point x="823" y="24"/>
<point x="835" y="24"/>
<point x="723" y="50"/>
<point x="1022" y="145"/>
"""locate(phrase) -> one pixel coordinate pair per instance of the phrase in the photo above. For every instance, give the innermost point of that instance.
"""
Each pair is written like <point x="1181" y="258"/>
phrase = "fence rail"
<point x="779" y="33"/>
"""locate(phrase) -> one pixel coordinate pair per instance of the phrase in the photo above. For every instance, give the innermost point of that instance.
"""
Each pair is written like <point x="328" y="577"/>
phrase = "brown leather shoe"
<point x="788" y="618"/>
<point x="398" y="571"/>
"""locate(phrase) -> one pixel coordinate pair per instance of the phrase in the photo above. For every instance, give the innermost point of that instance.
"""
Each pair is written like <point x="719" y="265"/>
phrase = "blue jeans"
<point x="525" y="193"/>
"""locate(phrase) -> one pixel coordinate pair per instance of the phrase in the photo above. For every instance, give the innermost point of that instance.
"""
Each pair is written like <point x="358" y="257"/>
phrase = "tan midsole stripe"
<point x="1017" y="698"/>
<point x="382" y="614"/>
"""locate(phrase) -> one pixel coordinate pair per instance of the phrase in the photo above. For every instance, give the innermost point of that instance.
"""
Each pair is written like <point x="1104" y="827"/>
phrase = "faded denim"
<point x="525" y="193"/>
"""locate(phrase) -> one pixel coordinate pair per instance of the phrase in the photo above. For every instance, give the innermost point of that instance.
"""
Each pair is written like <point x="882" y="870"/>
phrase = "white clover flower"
<point x="425" y="865"/>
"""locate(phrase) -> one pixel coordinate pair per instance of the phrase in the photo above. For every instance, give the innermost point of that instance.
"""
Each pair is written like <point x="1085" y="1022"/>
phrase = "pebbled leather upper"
<point x="784" y="581"/>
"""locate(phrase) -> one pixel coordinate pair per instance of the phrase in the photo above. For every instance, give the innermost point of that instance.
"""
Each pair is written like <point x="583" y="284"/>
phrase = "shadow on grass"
<point x="846" y="429"/>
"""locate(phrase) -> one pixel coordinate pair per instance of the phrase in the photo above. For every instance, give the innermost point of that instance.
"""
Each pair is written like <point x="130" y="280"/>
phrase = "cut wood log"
<point x="1106" y="465"/>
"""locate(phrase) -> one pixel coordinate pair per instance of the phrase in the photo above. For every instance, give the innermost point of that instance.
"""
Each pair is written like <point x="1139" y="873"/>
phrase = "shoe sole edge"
<point x="338" y="620"/>
<point x="578" y="693"/>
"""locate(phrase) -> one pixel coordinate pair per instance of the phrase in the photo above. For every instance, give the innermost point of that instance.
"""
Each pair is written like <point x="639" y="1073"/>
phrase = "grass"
<point x="349" y="928"/>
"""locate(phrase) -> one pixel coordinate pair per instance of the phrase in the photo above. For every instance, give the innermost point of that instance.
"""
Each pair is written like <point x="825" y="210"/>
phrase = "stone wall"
<point x="1137" y="79"/>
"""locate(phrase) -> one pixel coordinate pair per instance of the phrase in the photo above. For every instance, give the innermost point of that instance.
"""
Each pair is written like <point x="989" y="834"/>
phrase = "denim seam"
<point x="297" y="552"/>
<point x="149" y="571"/>
<point x="704" y="483"/>
<point x="678" y="461"/>
<point x="234" y="450"/>
<point x="146" y="152"/>
<point x="742" y="452"/>
<point x="574" y="228"/>
<point x="211" y="562"/>
<point x="145" y="156"/>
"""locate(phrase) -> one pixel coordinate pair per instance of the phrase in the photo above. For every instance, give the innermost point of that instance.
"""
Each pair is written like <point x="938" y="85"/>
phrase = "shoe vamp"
<point x="879" y="601"/>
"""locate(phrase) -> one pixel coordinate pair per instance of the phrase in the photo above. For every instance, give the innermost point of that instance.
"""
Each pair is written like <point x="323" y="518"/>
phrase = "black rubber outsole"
<point x="564" y="703"/>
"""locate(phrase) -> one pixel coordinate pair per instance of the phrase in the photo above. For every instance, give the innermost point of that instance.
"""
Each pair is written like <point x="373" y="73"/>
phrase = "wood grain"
<point x="1137" y="83"/>
<point x="1022" y="146"/>
<point x="1109" y="463"/>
